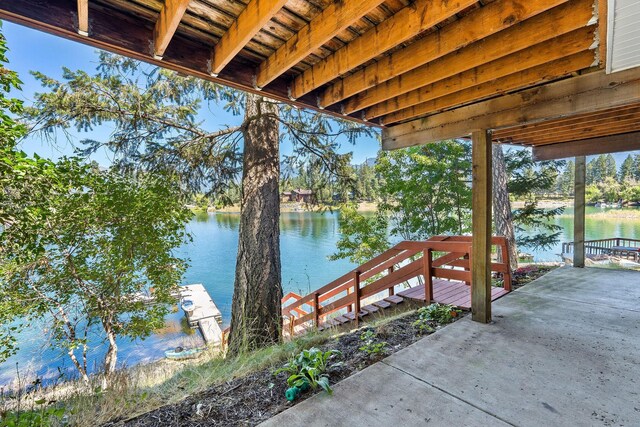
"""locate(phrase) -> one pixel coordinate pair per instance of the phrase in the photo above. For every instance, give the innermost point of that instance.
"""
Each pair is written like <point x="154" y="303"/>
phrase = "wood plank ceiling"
<point x="384" y="62"/>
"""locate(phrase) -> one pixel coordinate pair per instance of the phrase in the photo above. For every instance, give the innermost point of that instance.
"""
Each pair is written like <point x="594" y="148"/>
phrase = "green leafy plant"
<point x="370" y="346"/>
<point x="309" y="367"/>
<point x="42" y="417"/>
<point x="435" y="313"/>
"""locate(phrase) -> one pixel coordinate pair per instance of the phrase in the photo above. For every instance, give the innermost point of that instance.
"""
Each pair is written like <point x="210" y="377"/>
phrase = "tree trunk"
<point x="111" y="358"/>
<point x="502" y="216"/>
<point x="256" y="308"/>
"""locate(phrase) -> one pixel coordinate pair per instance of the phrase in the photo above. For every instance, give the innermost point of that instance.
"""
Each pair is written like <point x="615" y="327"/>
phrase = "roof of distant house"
<point x="302" y="192"/>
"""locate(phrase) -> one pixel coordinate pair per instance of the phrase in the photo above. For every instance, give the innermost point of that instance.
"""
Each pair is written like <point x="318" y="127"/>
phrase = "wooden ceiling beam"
<point x="571" y="125"/>
<point x="524" y="78"/>
<point x="547" y="51"/>
<point x="475" y="26"/>
<point x="331" y="21"/>
<point x="167" y="24"/>
<point x="83" y="17"/>
<point x="405" y="24"/>
<point x="507" y="42"/>
<point x="570" y="121"/>
<point x="577" y="95"/>
<point x="587" y="147"/>
<point x="583" y="132"/>
<point x="250" y="21"/>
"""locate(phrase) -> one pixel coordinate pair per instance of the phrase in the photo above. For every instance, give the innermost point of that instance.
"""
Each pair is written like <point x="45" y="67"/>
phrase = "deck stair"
<point x="371" y="288"/>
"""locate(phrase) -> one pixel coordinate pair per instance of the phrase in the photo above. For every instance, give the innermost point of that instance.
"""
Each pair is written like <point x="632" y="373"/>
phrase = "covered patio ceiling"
<point x="384" y="62"/>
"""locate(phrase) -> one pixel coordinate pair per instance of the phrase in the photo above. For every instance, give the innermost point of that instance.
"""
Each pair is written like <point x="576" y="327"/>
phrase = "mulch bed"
<point x="249" y="400"/>
<point x="524" y="275"/>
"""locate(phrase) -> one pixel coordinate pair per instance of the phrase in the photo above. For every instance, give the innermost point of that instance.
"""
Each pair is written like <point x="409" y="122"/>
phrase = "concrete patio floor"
<point x="563" y="350"/>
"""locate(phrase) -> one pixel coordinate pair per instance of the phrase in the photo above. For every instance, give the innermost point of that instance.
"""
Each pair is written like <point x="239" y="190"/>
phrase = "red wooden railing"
<point x="403" y="262"/>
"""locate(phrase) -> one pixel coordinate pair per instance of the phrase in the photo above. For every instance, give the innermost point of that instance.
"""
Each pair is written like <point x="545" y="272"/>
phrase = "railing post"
<point x="391" y="289"/>
<point x="427" y="261"/>
<point x="356" y="289"/>
<point x="316" y="309"/>
<point x="292" y="325"/>
<point x="467" y="269"/>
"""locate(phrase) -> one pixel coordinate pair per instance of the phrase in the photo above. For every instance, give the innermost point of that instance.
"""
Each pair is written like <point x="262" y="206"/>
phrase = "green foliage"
<point x="363" y="236"/>
<point x="425" y="190"/>
<point x="18" y="173"/>
<point x="155" y="115"/>
<point x="44" y="416"/>
<point x="612" y="191"/>
<point x="565" y="181"/>
<point x="600" y="168"/>
<point x="83" y="244"/>
<point x="528" y="181"/>
<point x="370" y="346"/>
<point x="435" y="314"/>
<point x="310" y="367"/>
<point x="627" y="172"/>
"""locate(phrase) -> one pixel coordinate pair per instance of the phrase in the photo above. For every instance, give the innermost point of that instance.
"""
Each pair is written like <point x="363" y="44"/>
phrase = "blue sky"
<point x="34" y="50"/>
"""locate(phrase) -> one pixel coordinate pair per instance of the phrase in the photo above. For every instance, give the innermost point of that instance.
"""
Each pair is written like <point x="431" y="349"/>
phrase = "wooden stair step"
<point x="382" y="304"/>
<point x="370" y="308"/>
<point x="350" y="316"/>
<point x="331" y="322"/>
<point x="342" y="319"/>
<point x="394" y="299"/>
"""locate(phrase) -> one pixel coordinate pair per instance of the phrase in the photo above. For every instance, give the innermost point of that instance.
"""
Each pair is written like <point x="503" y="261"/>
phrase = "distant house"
<point x="297" y="195"/>
<point x="285" y="196"/>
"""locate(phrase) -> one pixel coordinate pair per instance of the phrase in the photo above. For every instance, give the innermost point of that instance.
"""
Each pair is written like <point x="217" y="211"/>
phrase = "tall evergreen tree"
<point x="626" y="170"/>
<point x="154" y="115"/>
<point x="565" y="181"/>
<point x="610" y="167"/>
<point x="636" y="167"/>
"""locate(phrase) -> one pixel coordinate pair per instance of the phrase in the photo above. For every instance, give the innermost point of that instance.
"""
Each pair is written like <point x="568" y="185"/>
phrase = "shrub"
<point x="436" y="313"/>
<point x="309" y="368"/>
<point x="370" y="346"/>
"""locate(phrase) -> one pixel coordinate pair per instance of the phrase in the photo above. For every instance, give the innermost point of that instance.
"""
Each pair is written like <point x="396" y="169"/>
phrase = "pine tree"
<point x="626" y="170"/>
<point x="154" y="114"/>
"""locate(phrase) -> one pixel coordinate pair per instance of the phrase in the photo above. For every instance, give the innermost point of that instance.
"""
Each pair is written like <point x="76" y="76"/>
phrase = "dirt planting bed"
<point x="254" y="398"/>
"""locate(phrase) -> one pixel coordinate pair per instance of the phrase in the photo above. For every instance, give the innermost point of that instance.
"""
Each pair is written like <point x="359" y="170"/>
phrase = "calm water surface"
<point x="306" y="241"/>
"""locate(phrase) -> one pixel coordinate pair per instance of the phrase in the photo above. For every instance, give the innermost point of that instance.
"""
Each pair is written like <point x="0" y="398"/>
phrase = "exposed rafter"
<point x="547" y="51"/>
<point x="498" y="45"/>
<point x="480" y="24"/>
<point x="523" y="78"/>
<point x="527" y="133"/>
<point x="577" y="95"/>
<point x="83" y="17"/>
<point x="249" y="22"/>
<point x="407" y="23"/>
<point x="332" y="20"/>
<point x="586" y="147"/>
<point x="167" y="24"/>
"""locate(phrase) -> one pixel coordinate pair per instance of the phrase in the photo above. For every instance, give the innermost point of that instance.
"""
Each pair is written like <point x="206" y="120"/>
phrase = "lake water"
<point x="307" y="239"/>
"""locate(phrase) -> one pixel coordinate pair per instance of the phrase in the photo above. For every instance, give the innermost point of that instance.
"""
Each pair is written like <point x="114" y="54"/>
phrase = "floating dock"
<point x="205" y="315"/>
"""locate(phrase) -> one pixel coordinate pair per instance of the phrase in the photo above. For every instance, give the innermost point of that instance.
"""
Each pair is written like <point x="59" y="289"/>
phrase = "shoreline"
<point x="290" y="207"/>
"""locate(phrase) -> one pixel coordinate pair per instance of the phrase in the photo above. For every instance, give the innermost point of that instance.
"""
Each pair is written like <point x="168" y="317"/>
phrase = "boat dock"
<point x="205" y="315"/>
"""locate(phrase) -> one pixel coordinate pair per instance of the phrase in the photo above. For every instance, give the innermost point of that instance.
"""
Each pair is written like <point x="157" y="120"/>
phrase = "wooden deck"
<point x="450" y="292"/>
<point x="443" y="260"/>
